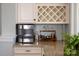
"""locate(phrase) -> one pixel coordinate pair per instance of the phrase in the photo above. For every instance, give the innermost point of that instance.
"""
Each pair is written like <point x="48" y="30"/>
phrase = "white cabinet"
<point x="25" y="12"/>
<point x="44" y="13"/>
<point x="27" y="51"/>
<point x="52" y="13"/>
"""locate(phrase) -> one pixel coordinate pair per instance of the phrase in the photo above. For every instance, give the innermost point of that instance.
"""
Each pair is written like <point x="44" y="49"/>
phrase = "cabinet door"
<point x="25" y="12"/>
<point x="28" y="51"/>
<point x="53" y="13"/>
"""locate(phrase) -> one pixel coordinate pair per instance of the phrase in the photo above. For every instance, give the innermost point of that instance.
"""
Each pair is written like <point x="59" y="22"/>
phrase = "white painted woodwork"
<point x="27" y="51"/>
<point x="26" y="13"/>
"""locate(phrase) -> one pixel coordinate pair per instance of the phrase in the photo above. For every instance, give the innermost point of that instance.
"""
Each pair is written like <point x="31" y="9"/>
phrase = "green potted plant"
<point x="71" y="44"/>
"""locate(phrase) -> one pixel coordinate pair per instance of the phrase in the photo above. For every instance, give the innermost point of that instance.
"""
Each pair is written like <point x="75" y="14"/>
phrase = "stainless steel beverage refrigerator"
<point x="25" y="33"/>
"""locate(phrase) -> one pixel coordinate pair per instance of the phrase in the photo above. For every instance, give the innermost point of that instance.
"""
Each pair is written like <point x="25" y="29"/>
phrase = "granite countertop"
<point x="49" y="49"/>
<point x="26" y="45"/>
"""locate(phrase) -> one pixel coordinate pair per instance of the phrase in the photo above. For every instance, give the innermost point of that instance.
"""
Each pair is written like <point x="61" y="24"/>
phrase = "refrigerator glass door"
<point x="28" y="40"/>
<point x="28" y="26"/>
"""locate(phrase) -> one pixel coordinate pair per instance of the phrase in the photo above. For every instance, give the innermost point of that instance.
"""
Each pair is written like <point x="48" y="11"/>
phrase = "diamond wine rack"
<point x="52" y="14"/>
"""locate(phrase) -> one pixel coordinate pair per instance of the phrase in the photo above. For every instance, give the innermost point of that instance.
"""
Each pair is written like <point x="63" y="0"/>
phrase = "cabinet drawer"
<point x="29" y="54"/>
<point x="28" y="50"/>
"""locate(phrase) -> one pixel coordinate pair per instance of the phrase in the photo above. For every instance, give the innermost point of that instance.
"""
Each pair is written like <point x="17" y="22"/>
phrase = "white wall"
<point x="74" y="18"/>
<point x="77" y="21"/>
<point x="8" y="18"/>
<point x="6" y="48"/>
<point x="8" y="21"/>
<point x="72" y="14"/>
<point x="0" y="19"/>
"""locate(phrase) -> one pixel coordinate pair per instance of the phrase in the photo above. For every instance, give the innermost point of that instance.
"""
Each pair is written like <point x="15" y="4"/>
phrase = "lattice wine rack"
<point x="52" y="14"/>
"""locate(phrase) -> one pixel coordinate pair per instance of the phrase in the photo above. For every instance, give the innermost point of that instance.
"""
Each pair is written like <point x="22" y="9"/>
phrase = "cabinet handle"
<point x="34" y="19"/>
<point x="27" y="50"/>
